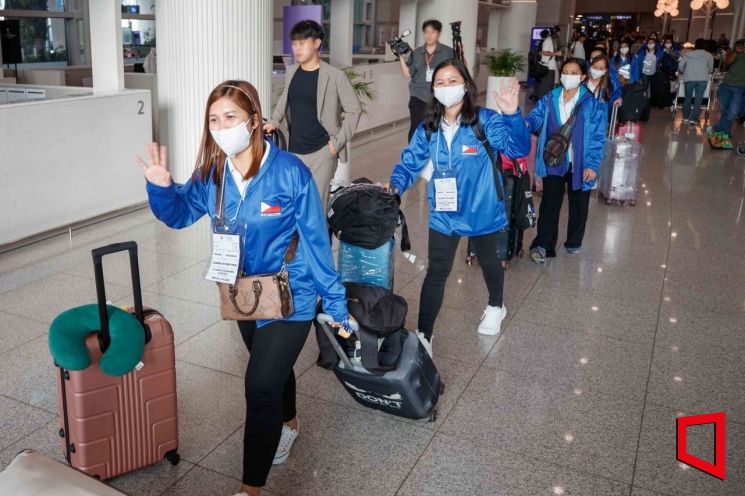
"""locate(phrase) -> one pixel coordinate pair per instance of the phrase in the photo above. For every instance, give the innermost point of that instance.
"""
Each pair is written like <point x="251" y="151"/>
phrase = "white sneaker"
<point x="241" y="494"/>
<point x="427" y="343"/>
<point x="285" y="443"/>
<point x="491" y="320"/>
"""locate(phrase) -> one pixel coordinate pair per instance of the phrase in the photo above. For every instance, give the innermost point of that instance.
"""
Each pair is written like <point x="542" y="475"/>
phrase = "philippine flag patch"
<point x="270" y="208"/>
<point x="469" y="150"/>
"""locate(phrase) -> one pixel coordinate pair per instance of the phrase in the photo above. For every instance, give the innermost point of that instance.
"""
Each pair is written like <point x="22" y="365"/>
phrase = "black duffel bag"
<point x="367" y="216"/>
<point x="379" y="312"/>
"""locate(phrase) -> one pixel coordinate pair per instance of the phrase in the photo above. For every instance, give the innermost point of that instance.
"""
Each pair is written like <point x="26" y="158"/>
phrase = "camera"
<point x="398" y="46"/>
<point x="457" y="40"/>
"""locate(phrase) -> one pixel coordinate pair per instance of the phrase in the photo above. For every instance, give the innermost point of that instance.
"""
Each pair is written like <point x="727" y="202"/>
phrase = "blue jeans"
<point x="731" y="99"/>
<point x="694" y="90"/>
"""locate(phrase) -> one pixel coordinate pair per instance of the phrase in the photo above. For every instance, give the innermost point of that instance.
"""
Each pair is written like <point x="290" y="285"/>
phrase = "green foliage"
<point x="506" y="63"/>
<point x="362" y="88"/>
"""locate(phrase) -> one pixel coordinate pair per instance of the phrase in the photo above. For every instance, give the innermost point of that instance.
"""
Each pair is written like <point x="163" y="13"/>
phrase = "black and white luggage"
<point x="383" y="366"/>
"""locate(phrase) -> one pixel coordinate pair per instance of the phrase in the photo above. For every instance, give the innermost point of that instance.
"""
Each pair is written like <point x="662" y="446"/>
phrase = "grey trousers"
<point x="323" y="167"/>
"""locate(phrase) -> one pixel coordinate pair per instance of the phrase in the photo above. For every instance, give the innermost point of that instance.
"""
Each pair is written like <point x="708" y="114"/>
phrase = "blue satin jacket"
<point x="588" y="137"/>
<point x="479" y="210"/>
<point x="280" y="200"/>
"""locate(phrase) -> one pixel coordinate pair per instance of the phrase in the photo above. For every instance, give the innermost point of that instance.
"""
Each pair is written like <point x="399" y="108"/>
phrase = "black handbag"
<point x="557" y="145"/>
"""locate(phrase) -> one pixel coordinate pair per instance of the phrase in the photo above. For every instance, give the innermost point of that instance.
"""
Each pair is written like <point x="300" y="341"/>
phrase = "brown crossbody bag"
<point x="259" y="297"/>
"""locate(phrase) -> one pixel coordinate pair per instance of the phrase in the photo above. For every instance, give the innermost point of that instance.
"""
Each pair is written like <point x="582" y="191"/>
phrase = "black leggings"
<point x="442" y="250"/>
<point x="270" y="391"/>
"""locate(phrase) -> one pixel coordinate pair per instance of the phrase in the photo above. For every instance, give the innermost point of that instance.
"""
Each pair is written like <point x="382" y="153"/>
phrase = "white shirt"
<point x="565" y="110"/>
<point x="591" y="85"/>
<point x="238" y="177"/>
<point x="449" y="130"/>
<point x="547" y="60"/>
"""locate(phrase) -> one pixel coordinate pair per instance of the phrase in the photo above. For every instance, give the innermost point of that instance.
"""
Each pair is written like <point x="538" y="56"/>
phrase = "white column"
<point x="106" y="45"/>
<point x="514" y="30"/>
<point x="447" y="11"/>
<point x="342" y="20"/>
<point x="201" y="44"/>
<point x="741" y="23"/>
<point x="492" y="35"/>
<point x="407" y="20"/>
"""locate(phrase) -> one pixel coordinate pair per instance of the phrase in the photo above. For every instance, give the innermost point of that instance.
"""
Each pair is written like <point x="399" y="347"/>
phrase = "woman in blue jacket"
<point x="273" y="194"/>
<point x="466" y="198"/>
<point x="646" y="63"/>
<point x="602" y="82"/>
<point x="577" y="172"/>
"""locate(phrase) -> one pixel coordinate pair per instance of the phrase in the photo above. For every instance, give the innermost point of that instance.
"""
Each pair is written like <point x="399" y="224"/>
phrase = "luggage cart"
<point x="708" y="101"/>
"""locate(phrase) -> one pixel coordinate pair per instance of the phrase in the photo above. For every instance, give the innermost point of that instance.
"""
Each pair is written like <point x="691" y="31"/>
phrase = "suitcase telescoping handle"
<point x="98" y="254"/>
<point x="326" y="321"/>
<point x="613" y="122"/>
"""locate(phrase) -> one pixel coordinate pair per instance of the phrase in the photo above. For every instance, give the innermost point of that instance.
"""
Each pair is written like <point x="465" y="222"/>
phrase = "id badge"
<point x="225" y="263"/>
<point x="446" y="195"/>
<point x="430" y="73"/>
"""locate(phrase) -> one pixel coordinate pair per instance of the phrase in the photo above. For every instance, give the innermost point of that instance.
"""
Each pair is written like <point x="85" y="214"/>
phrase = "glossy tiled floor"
<point x="578" y="396"/>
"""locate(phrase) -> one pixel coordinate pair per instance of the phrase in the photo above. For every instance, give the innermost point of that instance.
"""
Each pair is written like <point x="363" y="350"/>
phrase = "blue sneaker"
<point x="573" y="250"/>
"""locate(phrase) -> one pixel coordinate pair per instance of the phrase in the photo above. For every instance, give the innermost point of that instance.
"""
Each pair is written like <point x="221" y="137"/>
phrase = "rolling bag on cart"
<point x="383" y="366"/>
<point x="111" y="425"/>
<point x="619" y="171"/>
<point x="365" y="217"/>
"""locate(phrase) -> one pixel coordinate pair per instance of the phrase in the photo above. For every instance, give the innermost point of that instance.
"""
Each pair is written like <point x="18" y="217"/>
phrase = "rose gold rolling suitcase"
<point x="113" y="425"/>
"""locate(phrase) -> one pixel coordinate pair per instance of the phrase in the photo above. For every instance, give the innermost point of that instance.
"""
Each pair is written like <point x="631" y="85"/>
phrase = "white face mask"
<point x="597" y="73"/>
<point x="651" y="46"/>
<point x="450" y="95"/>
<point x="624" y="50"/>
<point x="232" y="140"/>
<point x="570" y="81"/>
<point x="668" y="45"/>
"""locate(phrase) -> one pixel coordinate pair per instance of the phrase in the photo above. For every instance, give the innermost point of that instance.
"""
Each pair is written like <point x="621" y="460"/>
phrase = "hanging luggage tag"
<point x="446" y="186"/>
<point x="228" y="240"/>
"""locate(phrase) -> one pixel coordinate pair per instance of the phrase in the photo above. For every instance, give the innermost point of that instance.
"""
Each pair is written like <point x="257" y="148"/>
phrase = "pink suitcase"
<point x="630" y="130"/>
<point x="114" y="425"/>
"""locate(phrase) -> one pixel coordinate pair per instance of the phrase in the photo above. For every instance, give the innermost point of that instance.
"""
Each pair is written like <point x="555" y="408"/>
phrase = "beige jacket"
<point x="338" y="107"/>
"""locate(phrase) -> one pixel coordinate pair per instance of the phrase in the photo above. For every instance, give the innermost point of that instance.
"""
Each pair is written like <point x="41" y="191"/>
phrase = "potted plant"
<point x="503" y="65"/>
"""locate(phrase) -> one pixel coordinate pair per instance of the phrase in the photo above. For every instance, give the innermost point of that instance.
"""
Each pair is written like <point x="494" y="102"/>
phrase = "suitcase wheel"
<point x="442" y="387"/>
<point x="632" y="203"/>
<point x="173" y="457"/>
<point x="432" y="416"/>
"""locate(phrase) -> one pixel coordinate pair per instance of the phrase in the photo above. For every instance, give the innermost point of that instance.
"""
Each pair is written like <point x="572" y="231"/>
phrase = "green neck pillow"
<point x="68" y="333"/>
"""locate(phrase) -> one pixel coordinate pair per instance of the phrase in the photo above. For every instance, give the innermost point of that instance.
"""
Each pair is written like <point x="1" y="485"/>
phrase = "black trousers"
<point x="270" y="391"/>
<point x="548" y="214"/>
<point x="441" y="252"/>
<point x="417" y="111"/>
<point x="544" y="85"/>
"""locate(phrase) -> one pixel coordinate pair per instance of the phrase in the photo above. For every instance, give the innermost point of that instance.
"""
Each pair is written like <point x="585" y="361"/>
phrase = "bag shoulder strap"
<point x="495" y="159"/>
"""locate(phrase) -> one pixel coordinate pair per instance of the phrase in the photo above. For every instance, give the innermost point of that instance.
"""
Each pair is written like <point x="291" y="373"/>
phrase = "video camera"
<point x="457" y="40"/>
<point x="398" y="46"/>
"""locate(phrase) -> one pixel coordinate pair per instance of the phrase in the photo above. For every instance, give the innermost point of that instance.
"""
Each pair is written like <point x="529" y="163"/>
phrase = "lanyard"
<point x="225" y="172"/>
<point x="437" y="152"/>
<point x="428" y="57"/>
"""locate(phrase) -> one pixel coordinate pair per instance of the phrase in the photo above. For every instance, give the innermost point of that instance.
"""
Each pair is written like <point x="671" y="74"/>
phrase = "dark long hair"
<point x="436" y="110"/>
<point x="603" y="91"/>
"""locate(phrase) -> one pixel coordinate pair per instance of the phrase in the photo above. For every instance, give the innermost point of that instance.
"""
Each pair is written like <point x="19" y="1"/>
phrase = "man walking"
<point x="320" y="106"/>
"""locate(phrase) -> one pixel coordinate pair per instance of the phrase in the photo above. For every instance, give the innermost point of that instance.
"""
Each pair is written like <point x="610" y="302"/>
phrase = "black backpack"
<point x="367" y="216"/>
<point x="536" y="70"/>
<point x="634" y="103"/>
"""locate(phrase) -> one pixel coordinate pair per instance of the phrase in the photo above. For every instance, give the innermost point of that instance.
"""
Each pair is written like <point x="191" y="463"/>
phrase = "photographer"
<point x="418" y="66"/>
